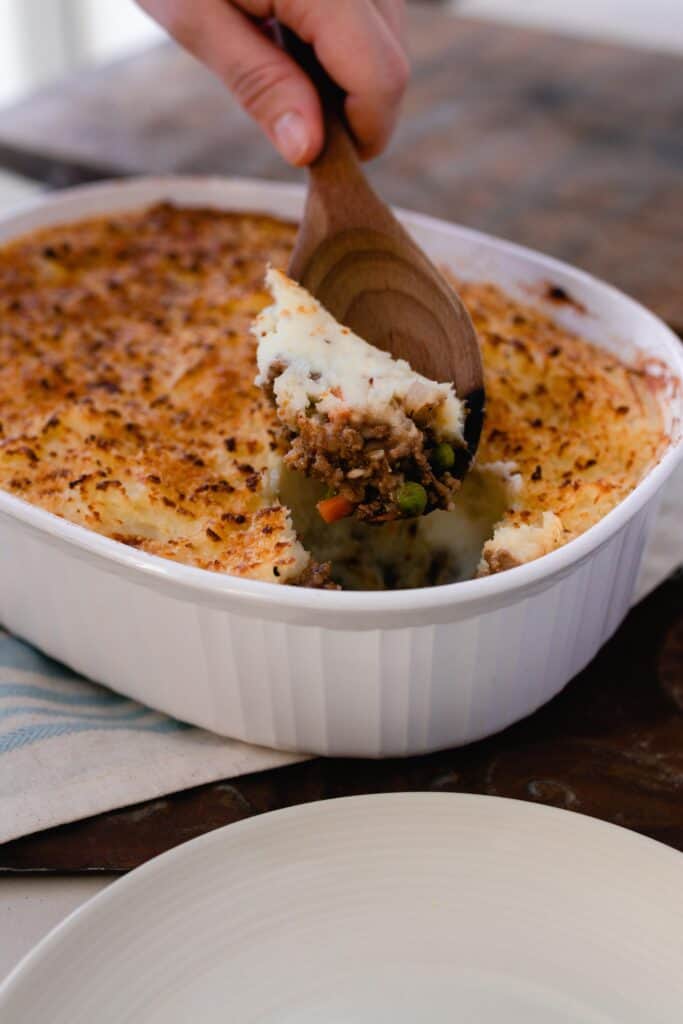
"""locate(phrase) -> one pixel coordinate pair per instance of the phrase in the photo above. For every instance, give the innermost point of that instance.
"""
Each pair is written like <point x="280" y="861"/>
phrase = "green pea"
<point x="412" y="499"/>
<point x="443" y="457"/>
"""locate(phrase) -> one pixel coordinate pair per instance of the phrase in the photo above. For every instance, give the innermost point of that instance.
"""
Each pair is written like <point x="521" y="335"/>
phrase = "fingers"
<point x="357" y="42"/>
<point x="265" y="81"/>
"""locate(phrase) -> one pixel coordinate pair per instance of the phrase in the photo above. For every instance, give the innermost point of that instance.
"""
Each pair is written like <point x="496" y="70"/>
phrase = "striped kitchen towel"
<point x="70" y="748"/>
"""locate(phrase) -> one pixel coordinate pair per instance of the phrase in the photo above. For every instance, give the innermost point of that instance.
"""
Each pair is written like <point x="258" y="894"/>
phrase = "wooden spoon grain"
<point x="355" y="257"/>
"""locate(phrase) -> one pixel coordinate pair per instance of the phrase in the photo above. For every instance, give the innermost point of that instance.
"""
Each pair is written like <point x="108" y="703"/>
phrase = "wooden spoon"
<point x="354" y="256"/>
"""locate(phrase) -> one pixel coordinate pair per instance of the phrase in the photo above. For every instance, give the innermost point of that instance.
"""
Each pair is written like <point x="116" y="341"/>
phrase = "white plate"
<point x="399" y="908"/>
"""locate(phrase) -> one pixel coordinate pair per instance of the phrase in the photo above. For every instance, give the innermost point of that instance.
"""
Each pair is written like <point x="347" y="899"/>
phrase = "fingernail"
<point x="291" y="136"/>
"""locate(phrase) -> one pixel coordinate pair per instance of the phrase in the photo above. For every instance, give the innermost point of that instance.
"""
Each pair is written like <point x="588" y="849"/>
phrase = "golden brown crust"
<point x="582" y="427"/>
<point x="127" y="403"/>
<point x="126" y="370"/>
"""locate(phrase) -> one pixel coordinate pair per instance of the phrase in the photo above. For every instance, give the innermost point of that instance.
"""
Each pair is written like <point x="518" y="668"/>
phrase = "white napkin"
<point x="664" y="552"/>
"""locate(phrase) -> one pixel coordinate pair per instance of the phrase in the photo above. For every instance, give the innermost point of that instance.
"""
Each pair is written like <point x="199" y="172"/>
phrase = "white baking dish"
<point x="332" y="672"/>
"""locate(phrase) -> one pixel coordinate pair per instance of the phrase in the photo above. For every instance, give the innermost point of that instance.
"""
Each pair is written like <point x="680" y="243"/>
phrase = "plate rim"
<point x="82" y="916"/>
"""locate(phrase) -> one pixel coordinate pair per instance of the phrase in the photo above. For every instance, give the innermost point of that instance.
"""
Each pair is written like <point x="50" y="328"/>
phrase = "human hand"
<point x="358" y="42"/>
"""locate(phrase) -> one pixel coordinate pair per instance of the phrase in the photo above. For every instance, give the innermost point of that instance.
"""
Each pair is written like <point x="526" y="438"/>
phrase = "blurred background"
<point x="42" y="40"/>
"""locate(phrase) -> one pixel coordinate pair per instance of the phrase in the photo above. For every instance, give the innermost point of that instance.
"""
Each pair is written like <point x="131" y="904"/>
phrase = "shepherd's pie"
<point x="128" y="405"/>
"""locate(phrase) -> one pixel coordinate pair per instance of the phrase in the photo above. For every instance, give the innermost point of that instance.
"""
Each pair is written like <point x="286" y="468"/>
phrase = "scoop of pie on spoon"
<point x="355" y="257"/>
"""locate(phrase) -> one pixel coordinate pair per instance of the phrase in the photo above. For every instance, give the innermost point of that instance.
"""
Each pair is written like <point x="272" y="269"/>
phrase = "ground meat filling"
<point x="369" y="463"/>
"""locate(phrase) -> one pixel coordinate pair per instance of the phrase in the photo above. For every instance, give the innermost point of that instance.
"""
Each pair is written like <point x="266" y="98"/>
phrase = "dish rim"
<point x="258" y="594"/>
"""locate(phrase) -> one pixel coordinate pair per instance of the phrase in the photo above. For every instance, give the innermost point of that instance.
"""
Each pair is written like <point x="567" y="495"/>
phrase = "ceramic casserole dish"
<point x="344" y="673"/>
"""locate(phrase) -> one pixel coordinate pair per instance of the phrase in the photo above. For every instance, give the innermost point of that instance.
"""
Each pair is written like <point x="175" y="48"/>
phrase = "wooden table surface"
<point x="572" y="147"/>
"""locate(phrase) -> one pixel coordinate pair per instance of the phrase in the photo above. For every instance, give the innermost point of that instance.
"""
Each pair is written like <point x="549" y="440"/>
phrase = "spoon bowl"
<point x="354" y="256"/>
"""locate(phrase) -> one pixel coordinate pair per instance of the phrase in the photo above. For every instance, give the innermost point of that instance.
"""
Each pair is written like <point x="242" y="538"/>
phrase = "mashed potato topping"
<point x="127" y="405"/>
<point x="126" y="395"/>
<point x="581" y="426"/>
<point x="330" y="366"/>
<point x="357" y="419"/>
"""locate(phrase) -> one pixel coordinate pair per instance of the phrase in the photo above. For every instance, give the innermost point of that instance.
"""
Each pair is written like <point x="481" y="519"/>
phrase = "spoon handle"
<point x="331" y="95"/>
<point x="357" y="259"/>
